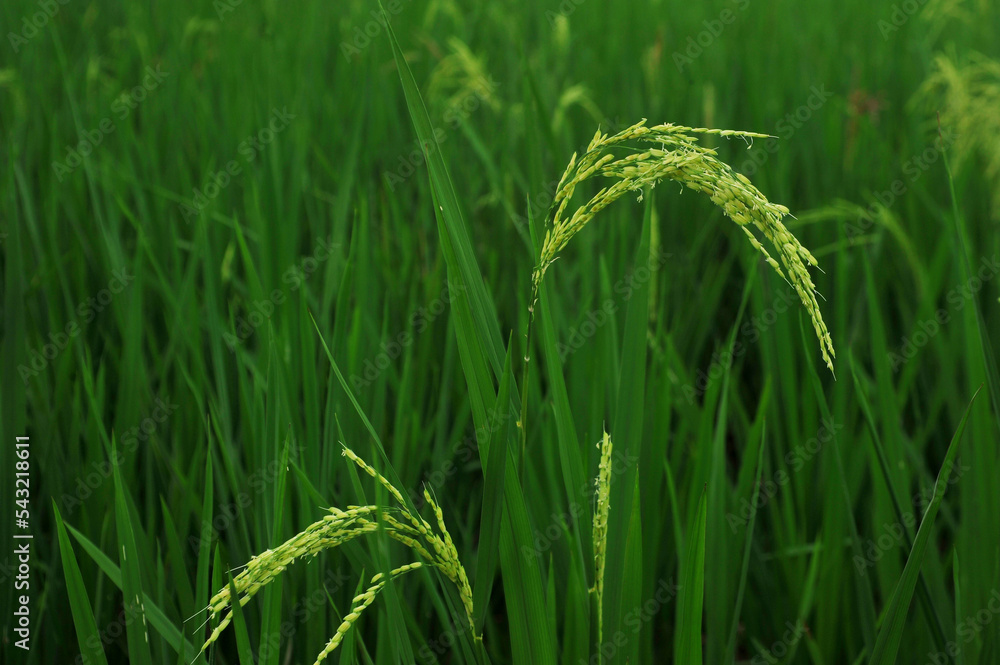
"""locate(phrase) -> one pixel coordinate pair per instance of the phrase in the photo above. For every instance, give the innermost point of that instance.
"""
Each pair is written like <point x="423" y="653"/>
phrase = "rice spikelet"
<point x="340" y="526"/>
<point x="359" y="605"/>
<point x="672" y="152"/>
<point x="968" y="95"/>
<point x="601" y="510"/>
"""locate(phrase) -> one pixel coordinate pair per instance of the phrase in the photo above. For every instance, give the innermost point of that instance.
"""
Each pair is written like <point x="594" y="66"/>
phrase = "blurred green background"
<point x="182" y="184"/>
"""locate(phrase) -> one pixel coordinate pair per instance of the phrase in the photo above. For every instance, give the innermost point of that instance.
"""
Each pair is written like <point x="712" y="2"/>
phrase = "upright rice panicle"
<point x="603" y="506"/>
<point x="672" y="152"/>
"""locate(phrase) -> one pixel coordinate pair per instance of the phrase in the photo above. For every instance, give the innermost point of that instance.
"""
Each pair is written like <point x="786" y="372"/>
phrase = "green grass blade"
<point x="79" y="602"/>
<point x="447" y="209"/>
<point x="493" y="486"/>
<point x="687" y="637"/>
<point x="133" y="598"/>
<point x="891" y="633"/>
<point x="747" y="546"/>
<point x="205" y="533"/>
<point x="240" y="626"/>
<point x="157" y="618"/>
<point x="862" y="583"/>
<point x="986" y="346"/>
<point x="923" y="595"/>
<point x="626" y="432"/>
<point x="571" y="460"/>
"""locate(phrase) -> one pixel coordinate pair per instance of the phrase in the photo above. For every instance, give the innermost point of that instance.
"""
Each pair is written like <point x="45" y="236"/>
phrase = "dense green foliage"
<point x="224" y="254"/>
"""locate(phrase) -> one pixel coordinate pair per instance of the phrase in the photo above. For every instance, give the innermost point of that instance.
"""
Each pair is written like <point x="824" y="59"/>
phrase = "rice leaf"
<point x="240" y="624"/>
<point x="747" y="546"/>
<point x="626" y="432"/>
<point x="687" y="636"/>
<point x="132" y="595"/>
<point x="79" y="602"/>
<point x="493" y="487"/>
<point x="891" y="633"/>
<point x="157" y="619"/>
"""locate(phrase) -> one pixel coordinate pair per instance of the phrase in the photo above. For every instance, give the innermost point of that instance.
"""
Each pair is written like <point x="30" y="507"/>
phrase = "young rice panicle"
<point x="603" y="506"/>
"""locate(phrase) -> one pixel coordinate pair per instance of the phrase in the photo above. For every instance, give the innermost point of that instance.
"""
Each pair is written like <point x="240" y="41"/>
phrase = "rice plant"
<point x="202" y="305"/>
<point x="677" y="158"/>
<point x="338" y="528"/>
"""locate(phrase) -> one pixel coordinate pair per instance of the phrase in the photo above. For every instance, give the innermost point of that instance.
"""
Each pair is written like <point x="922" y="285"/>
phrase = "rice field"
<point x="431" y="331"/>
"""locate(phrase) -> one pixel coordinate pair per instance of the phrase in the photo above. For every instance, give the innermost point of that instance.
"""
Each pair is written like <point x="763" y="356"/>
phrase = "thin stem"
<point x="522" y="424"/>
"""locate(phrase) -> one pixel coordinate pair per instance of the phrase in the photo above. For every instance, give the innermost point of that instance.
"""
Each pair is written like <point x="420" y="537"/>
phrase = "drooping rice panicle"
<point x="340" y="526"/>
<point x="453" y="568"/>
<point x="672" y="152"/>
<point x="359" y="605"/>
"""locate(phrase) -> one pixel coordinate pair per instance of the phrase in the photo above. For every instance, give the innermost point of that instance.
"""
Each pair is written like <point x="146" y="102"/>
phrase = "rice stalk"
<point x="672" y="152"/>
<point x="434" y="546"/>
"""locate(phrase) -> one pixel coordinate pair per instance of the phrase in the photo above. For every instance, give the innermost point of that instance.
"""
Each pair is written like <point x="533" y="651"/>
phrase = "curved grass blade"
<point x="157" y="619"/>
<point x="891" y="633"/>
<point x="923" y="594"/>
<point x="79" y="602"/>
<point x="448" y="209"/>
<point x="133" y="597"/>
<point x="492" y="512"/>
